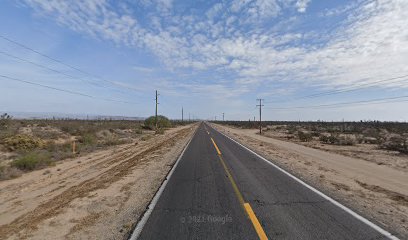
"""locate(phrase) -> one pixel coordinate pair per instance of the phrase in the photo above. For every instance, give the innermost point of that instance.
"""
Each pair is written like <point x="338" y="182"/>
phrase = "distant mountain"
<point x="48" y="115"/>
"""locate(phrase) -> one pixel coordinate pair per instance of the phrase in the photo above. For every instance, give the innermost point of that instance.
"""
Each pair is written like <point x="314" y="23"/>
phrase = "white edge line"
<point x="348" y="210"/>
<point x="139" y="227"/>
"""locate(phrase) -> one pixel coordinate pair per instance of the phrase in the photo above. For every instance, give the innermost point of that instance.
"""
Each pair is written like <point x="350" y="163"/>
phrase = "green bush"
<point x="87" y="139"/>
<point x="332" y="139"/>
<point x="162" y="122"/>
<point x="60" y="151"/>
<point x="32" y="161"/>
<point x="324" y="139"/>
<point x="304" y="136"/>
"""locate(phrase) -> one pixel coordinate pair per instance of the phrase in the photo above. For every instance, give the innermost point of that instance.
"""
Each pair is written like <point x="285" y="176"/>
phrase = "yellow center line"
<point x="255" y="222"/>
<point x="246" y="206"/>
<point x="234" y="185"/>
<point x="216" y="147"/>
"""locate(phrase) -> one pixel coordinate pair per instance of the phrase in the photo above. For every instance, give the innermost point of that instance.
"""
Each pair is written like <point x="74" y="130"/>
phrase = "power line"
<point x="354" y="88"/>
<point x="66" y="65"/>
<point x="363" y="102"/>
<point x="64" y="90"/>
<point x="45" y="67"/>
<point x="349" y="89"/>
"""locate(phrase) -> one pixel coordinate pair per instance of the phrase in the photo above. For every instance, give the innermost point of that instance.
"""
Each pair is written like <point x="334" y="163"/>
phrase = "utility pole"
<point x="223" y="117"/>
<point x="182" y="114"/>
<point x="260" y="105"/>
<point x="155" y="119"/>
<point x="189" y="117"/>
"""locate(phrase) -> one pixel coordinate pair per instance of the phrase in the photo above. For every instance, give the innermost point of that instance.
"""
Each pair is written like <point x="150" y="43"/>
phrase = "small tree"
<point x="162" y="122"/>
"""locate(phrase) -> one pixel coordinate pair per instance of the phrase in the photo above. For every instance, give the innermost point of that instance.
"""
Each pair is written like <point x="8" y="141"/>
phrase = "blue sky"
<point x="208" y="56"/>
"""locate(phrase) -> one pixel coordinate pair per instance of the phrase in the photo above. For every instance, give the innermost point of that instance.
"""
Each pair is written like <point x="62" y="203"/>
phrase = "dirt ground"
<point x="368" y="152"/>
<point x="378" y="191"/>
<point x="100" y="195"/>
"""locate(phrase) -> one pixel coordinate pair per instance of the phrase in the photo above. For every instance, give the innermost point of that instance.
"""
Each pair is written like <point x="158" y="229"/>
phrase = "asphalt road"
<point x="220" y="190"/>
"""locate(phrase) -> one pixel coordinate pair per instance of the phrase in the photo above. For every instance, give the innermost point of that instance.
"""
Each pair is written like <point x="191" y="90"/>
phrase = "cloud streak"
<point x="237" y="38"/>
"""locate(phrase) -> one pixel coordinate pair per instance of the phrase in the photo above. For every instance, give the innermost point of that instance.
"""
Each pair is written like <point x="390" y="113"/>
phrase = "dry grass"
<point x="27" y="145"/>
<point x="392" y="136"/>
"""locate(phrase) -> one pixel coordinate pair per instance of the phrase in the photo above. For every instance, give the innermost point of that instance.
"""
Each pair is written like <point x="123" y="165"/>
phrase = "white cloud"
<point x="302" y="5"/>
<point x="371" y="44"/>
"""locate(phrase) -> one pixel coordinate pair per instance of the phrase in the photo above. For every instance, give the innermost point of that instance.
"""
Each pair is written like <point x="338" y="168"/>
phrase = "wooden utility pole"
<point x="260" y="105"/>
<point x="223" y="117"/>
<point x="155" y="119"/>
<point x="182" y="114"/>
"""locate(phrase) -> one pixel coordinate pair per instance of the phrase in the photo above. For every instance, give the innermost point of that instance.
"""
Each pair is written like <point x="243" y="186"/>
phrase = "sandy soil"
<point x="97" y="196"/>
<point x="379" y="192"/>
<point x="368" y="152"/>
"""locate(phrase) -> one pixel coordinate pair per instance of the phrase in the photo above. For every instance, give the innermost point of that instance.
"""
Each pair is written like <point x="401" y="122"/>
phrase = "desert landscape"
<point x="178" y="119"/>
<point x="99" y="192"/>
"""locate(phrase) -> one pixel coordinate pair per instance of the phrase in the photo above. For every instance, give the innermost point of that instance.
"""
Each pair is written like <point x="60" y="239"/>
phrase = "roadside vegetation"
<point x="27" y="145"/>
<point x="159" y="124"/>
<point x="389" y="136"/>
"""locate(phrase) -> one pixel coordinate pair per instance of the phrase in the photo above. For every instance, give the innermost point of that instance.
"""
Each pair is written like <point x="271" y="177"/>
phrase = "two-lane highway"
<point x="220" y="190"/>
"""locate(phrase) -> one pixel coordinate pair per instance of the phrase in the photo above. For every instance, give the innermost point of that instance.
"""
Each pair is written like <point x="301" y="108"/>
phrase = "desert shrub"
<point x="23" y="142"/>
<point x="304" y="136"/>
<point x="360" y="139"/>
<point x="87" y="139"/>
<point x="370" y="140"/>
<point x="396" y="143"/>
<point x="338" y="140"/>
<point x="346" y="141"/>
<point x="324" y="139"/>
<point x="46" y="134"/>
<point x="112" y="141"/>
<point x="291" y="129"/>
<point x="162" y="122"/>
<point x="371" y="132"/>
<point x="315" y="134"/>
<point x="332" y="139"/>
<point x="60" y="151"/>
<point x="5" y="121"/>
<point x="32" y="161"/>
<point x="7" y="172"/>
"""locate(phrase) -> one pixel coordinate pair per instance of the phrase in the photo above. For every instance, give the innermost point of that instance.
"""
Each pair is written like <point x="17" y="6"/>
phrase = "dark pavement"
<point x="200" y="200"/>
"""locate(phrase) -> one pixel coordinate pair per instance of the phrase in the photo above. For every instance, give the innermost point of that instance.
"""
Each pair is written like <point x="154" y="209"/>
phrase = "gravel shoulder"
<point x="379" y="192"/>
<point x="97" y="196"/>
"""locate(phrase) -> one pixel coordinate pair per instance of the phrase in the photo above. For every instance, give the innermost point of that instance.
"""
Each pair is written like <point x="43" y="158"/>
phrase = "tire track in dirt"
<point x="56" y="205"/>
